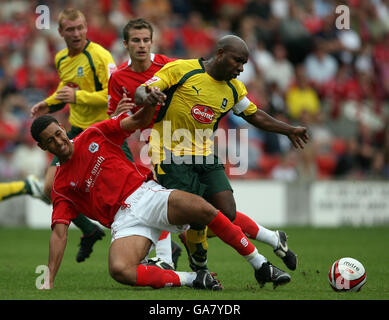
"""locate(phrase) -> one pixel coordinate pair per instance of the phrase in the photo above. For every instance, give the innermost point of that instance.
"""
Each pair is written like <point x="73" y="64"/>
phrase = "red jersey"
<point x="125" y="80"/>
<point x="97" y="178"/>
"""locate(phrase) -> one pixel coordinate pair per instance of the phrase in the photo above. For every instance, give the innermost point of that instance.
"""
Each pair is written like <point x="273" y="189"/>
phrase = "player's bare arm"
<point x="298" y="135"/>
<point x="57" y="248"/>
<point x="149" y="96"/>
<point x="39" y="109"/>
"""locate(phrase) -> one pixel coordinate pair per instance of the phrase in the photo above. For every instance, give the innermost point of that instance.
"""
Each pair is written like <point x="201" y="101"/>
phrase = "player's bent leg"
<point x="163" y="253"/>
<point x="186" y="208"/>
<point x="225" y="202"/>
<point x="232" y="234"/>
<point x="31" y="185"/>
<point x="12" y="189"/>
<point x="125" y="254"/>
<point x="276" y="239"/>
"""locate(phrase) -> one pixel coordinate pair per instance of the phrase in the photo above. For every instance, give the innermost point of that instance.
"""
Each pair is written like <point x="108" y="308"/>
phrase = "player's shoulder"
<point x="96" y="49"/>
<point x="184" y="65"/>
<point x="123" y="68"/>
<point x="60" y="55"/>
<point x="160" y="59"/>
<point x="239" y="85"/>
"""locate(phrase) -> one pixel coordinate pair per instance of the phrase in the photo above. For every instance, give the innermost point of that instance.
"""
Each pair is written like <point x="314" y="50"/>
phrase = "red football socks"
<point x="156" y="277"/>
<point x="231" y="234"/>
<point x="249" y="227"/>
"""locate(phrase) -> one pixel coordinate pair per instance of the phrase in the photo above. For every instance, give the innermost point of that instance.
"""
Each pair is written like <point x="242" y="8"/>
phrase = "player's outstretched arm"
<point x="298" y="135"/>
<point x="39" y="109"/>
<point x="56" y="250"/>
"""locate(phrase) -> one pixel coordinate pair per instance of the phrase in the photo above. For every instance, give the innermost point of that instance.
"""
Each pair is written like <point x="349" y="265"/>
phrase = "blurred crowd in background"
<point x="302" y="69"/>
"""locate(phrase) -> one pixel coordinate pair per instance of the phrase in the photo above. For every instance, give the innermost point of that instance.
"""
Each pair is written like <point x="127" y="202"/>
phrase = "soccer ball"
<point x="347" y="274"/>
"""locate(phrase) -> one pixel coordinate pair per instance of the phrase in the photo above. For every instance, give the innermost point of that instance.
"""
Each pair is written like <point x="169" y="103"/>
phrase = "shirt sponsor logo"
<point x="73" y="85"/>
<point x="203" y="114"/>
<point x="93" y="147"/>
<point x="90" y="182"/>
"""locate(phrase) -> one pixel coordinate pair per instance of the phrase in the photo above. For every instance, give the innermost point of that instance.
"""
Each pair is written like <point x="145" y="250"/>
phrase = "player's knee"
<point x="122" y="273"/>
<point x="230" y="213"/>
<point x="229" y="210"/>
<point x="208" y="213"/>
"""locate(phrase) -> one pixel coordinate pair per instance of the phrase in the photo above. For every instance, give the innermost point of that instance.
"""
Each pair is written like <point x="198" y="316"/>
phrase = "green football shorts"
<point x="201" y="179"/>
<point x="75" y="131"/>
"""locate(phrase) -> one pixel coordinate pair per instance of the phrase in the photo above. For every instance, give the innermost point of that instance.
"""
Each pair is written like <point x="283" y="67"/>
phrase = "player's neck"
<point x="75" y="51"/>
<point x="64" y="158"/>
<point x="140" y="66"/>
<point x="209" y="67"/>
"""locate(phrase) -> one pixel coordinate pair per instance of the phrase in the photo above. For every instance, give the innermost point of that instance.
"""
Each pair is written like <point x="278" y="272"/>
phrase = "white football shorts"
<point x="145" y="214"/>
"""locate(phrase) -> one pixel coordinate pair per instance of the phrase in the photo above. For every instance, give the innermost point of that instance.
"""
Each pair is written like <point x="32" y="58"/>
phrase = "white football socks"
<point x="186" y="278"/>
<point x="255" y="259"/>
<point x="267" y="236"/>
<point x="163" y="249"/>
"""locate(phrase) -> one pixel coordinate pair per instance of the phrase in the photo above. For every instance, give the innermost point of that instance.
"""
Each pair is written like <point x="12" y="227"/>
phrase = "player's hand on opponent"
<point x="39" y="109"/>
<point x="154" y="96"/>
<point x="66" y="95"/>
<point x="299" y="137"/>
<point x="124" y="105"/>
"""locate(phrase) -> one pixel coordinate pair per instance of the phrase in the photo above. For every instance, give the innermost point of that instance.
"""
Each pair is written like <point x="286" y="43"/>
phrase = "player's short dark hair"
<point x="138" y="24"/>
<point x="40" y="124"/>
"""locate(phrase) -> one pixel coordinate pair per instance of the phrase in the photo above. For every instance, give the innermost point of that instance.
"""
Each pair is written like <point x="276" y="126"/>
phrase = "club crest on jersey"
<point x="93" y="147"/>
<point x="203" y="114"/>
<point x="224" y="104"/>
<point x="80" y="72"/>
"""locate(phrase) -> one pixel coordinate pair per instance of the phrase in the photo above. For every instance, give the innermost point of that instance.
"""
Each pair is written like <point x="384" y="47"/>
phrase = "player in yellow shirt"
<point x="84" y="68"/>
<point x="199" y="93"/>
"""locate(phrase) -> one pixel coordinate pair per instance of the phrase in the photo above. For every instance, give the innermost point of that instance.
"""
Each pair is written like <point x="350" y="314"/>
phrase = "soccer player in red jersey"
<point x="137" y="39"/>
<point x="142" y="64"/>
<point x="95" y="177"/>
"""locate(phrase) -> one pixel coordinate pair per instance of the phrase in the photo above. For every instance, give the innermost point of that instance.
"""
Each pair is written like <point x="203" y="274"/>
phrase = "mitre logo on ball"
<point x="347" y="274"/>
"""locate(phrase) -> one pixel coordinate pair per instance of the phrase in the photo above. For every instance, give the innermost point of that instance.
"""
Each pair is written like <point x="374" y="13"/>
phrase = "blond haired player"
<point x="84" y="68"/>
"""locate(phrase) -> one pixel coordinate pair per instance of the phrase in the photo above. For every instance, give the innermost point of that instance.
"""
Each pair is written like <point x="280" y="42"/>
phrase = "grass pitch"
<point x="22" y="250"/>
